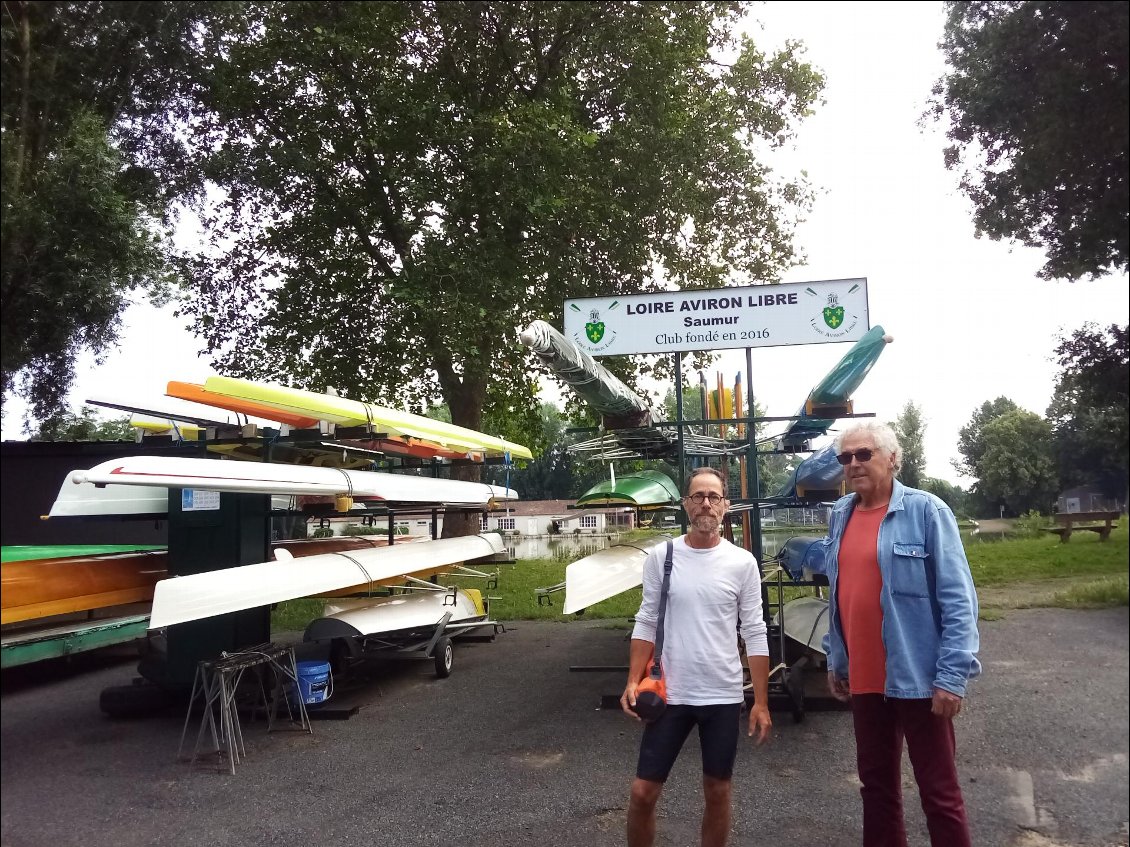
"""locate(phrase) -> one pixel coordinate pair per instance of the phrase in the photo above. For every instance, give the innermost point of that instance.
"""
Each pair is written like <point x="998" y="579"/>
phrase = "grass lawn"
<point x="1037" y="571"/>
<point x="1009" y="573"/>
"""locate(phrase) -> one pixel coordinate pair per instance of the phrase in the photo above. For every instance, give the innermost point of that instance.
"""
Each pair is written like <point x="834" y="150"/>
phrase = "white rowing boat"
<point x="188" y="598"/>
<point x="82" y="492"/>
<point x="398" y="616"/>
<point x="606" y="573"/>
<point x="805" y="621"/>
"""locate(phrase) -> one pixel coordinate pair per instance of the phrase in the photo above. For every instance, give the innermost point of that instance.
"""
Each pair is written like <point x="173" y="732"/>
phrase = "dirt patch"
<point x="994" y="525"/>
<point x="1027" y="595"/>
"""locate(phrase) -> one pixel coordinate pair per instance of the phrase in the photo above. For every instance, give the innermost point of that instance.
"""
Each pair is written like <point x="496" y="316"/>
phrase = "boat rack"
<point x="791" y="661"/>
<point x="338" y="446"/>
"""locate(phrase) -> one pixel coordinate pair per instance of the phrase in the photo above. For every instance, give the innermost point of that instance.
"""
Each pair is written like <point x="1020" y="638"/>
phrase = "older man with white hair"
<point x="902" y="636"/>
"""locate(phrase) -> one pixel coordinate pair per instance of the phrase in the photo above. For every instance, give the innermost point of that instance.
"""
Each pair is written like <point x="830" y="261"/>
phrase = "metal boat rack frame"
<point x="786" y="680"/>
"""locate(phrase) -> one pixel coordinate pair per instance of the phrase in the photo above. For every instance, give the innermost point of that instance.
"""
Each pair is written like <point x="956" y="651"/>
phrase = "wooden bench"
<point x="1070" y="522"/>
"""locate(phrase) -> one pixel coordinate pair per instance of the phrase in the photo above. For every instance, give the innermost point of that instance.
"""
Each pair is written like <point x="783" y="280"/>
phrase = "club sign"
<point x="754" y="316"/>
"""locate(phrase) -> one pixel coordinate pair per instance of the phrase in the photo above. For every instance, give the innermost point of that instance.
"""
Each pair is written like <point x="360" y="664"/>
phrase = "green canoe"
<point x="642" y="489"/>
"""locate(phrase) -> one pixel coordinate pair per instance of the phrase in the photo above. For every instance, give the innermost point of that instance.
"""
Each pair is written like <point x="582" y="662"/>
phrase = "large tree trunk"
<point x="465" y="398"/>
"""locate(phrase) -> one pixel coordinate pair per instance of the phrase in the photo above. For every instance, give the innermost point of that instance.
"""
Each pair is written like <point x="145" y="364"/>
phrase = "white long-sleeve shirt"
<point x="711" y="592"/>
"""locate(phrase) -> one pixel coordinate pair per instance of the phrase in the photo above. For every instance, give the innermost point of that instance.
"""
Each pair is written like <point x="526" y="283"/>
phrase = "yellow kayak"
<point x="345" y="412"/>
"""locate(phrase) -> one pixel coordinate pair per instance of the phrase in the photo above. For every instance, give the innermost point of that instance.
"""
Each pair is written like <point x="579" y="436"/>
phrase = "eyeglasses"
<point x="698" y="499"/>
<point x="862" y="455"/>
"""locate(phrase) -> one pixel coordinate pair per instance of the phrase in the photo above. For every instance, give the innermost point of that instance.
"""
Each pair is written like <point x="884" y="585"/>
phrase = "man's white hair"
<point x="883" y="436"/>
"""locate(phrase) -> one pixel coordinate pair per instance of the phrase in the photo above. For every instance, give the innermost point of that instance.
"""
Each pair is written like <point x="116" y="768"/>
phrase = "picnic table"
<point x="1069" y="522"/>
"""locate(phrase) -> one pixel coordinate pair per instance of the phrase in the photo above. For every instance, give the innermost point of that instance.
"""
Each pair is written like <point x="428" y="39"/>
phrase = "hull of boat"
<point x="345" y="412"/>
<point x="594" y="383"/>
<point x="836" y="388"/>
<point x="188" y="598"/>
<point x="81" y="494"/>
<point x="605" y="574"/>
<point x="42" y="587"/>
<point x="400" y="615"/>
<point x="819" y="476"/>
<point x="645" y="489"/>
<point x="802" y="556"/>
<point x="805" y="621"/>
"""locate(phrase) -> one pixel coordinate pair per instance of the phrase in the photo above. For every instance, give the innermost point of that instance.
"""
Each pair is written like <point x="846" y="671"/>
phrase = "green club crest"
<point x="594" y="329"/>
<point x="833" y="313"/>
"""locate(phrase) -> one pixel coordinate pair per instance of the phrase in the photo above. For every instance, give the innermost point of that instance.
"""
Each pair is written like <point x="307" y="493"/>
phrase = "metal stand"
<point x="218" y="680"/>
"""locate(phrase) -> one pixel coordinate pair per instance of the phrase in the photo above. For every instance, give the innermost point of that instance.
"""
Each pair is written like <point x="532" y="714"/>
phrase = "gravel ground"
<point x="514" y="750"/>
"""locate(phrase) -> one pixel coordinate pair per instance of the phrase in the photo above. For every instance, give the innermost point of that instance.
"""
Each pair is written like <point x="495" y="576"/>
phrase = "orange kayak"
<point x="393" y="445"/>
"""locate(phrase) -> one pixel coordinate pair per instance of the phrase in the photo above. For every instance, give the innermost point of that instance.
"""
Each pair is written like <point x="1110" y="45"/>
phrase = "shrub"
<point x="1032" y="525"/>
<point x="357" y="529"/>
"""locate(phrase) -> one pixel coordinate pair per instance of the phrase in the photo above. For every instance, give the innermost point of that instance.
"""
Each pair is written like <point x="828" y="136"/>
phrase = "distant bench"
<point x="1070" y="522"/>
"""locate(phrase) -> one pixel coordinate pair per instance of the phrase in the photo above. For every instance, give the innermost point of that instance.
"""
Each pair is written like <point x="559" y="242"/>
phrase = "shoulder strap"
<point x="668" y="564"/>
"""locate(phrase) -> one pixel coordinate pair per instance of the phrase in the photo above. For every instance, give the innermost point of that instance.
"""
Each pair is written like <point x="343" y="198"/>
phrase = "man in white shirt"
<point x="714" y="587"/>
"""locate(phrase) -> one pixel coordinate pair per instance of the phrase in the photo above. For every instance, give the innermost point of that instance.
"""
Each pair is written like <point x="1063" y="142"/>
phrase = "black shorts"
<point x="717" y="735"/>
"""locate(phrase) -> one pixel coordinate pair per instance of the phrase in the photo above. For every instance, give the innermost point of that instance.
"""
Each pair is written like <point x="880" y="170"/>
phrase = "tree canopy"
<point x="911" y="431"/>
<point x="1018" y="463"/>
<point x="1038" y="107"/>
<point x="87" y="425"/>
<point x="956" y="497"/>
<point x="1090" y="409"/>
<point x="409" y="184"/>
<point x="90" y="162"/>
<point x="970" y="438"/>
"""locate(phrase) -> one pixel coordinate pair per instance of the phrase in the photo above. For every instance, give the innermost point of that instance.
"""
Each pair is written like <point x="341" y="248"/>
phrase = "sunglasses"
<point x="861" y="455"/>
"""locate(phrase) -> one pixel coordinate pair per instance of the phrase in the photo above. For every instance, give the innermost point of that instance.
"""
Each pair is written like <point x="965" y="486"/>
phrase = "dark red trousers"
<point x="881" y="724"/>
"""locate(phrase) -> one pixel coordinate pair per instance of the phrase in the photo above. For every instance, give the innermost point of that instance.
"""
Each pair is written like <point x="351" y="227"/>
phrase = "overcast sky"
<point x="971" y="320"/>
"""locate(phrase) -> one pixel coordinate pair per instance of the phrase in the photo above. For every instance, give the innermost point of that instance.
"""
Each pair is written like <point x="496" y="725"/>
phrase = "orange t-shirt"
<point x="857" y="590"/>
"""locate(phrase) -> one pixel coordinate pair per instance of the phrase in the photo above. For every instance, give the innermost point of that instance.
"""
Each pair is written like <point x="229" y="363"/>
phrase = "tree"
<point x="970" y="438"/>
<point x="550" y="475"/>
<point x="87" y="425"/>
<point x="89" y="166"/>
<point x="408" y="184"/>
<point x="1090" y="408"/>
<point x="1018" y="462"/>
<point x="956" y="497"/>
<point x="911" y="431"/>
<point x="1037" y="102"/>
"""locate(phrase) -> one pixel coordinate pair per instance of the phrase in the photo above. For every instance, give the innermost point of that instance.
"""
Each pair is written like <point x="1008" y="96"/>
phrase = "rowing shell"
<point x="37" y="588"/>
<point x="345" y="412"/>
<point x="197" y="394"/>
<point x="163" y="472"/>
<point x="188" y="598"/>
<point x="396" y="446"/>
<point x="836" y="388"/>
<point x="606" y="573"/>
<point x="396" y="616"/>
<point x="805" y="621"/>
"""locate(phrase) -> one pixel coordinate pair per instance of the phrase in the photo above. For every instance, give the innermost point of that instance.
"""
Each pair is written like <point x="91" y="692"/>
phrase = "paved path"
<point x="513" y="750"/>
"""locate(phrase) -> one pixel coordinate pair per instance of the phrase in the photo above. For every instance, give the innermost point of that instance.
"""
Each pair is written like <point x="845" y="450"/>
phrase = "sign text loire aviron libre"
<point x="754" y="316"/>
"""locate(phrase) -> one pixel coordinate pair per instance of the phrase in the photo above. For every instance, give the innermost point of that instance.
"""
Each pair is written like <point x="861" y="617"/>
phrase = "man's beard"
<point x="705" y="523"/>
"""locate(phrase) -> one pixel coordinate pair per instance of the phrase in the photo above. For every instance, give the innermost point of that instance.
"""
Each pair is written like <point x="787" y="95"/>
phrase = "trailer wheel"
<point x="444" y="656"/>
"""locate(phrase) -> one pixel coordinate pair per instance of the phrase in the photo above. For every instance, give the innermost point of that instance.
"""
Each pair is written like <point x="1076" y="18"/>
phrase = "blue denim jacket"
<point x="928" y="600"/>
